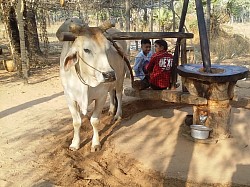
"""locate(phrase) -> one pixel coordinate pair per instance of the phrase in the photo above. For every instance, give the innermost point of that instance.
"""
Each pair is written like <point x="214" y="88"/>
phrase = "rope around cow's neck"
<point x="119" y="51"/>
<point x="77" y="68"/>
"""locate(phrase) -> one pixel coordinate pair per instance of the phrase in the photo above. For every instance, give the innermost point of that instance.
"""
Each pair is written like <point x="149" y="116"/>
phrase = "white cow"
<point x="100" y="70"/>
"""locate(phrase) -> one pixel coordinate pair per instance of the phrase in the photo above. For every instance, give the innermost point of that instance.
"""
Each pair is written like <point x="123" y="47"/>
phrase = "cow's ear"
<point x="70" y="60"/>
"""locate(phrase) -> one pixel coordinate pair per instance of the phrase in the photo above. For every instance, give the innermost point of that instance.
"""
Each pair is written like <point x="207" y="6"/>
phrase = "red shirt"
<point x="159" y="69"/>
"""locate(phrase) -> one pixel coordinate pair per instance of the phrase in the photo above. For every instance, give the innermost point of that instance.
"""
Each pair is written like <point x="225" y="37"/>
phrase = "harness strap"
<point x="120" y="52"/>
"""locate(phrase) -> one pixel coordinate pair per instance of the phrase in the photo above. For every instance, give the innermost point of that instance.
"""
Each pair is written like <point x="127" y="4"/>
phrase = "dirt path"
<point x="145" y="149"/>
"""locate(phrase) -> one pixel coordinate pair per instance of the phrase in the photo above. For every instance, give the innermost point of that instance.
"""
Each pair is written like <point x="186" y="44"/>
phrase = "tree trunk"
<point x="10" y="22"/>
<point x="20" y="9"/>
<point x="14" y="29"/>
<point x="31" y="34"/>
<point x="128" y="15"/>
<point x="173" y="12"/>
<point x="145" y="18"/>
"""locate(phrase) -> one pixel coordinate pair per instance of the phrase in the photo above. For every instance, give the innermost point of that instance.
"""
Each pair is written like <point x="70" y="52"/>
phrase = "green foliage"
<point x="162" y="16"/>
<point x="239" y="9"/>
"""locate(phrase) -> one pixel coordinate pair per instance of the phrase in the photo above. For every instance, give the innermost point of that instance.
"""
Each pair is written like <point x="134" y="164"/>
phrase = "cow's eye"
<point x="87" y="51"/>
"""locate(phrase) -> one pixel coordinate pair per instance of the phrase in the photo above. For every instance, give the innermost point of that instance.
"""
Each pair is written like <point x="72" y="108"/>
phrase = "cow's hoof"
<point x="96" y="148"/>
<point x="73" y="148"/>
<point x="116" y="119"/>
<point x="110" y="113"/>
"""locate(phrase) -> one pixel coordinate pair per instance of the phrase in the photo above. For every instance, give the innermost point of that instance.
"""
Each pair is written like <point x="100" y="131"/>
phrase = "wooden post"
<point x="205" y="52"/>
<point x="177" y="47"/>
<point x="208" y="18"/>
<point x="184" y="58"/>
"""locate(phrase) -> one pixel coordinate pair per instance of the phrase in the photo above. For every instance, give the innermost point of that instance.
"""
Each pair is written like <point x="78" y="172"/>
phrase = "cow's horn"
<point x="107" y="25"/>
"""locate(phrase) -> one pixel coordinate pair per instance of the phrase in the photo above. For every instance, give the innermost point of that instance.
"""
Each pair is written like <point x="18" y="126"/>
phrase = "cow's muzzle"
<point x="109" y="76"/>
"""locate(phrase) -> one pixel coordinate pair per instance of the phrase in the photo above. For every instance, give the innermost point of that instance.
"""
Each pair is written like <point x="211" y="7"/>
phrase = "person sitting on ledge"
<point x="141" y="61"/>
<point x="159" y="67"/>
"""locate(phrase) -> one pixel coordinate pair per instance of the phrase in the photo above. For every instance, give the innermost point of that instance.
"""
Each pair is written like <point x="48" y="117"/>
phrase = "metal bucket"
<point x="200" y="131"/>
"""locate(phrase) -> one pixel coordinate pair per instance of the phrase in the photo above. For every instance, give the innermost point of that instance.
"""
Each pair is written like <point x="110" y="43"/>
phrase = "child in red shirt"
<point x="159" y="67"/>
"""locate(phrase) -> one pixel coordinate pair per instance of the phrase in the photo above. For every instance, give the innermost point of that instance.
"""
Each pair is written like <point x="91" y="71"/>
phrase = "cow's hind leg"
<point x="118" y="114"/>
<point x="113" y="102"/>
<point x="75" y="112"/>
<point x="119" y="89"/>
<point x="94" y="120"/>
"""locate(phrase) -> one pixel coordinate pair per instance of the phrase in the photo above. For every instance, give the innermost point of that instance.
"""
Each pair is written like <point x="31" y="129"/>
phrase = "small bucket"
<point x="200" y="131"/>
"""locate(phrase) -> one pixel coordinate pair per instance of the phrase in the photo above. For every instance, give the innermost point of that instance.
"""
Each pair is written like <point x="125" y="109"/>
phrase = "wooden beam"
<point x="148" y="35"/>
<point x="67" y="36"/>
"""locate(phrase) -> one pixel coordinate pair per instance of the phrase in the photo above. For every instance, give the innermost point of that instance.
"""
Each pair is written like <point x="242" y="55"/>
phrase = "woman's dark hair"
<point x="162" y="43"/>
<point x="145" y="41"/>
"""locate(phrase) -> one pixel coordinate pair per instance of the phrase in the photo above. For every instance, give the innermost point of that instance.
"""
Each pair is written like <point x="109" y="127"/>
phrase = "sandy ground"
<point x="147" y="148"/>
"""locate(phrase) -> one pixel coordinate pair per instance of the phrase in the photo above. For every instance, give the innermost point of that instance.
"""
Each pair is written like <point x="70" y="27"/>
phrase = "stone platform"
<point x="173" y="96"/>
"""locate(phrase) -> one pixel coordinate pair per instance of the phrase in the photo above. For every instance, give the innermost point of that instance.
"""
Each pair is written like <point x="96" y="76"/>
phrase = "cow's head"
<point x="89" y="53"/>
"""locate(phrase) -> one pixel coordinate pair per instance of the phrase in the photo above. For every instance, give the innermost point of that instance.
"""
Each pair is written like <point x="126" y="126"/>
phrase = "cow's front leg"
<point x="75" y="112"/>
<point x="94" y="120"/>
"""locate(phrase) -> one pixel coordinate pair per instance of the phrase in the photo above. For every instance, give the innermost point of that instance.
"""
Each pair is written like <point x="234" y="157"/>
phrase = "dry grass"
<point x="233" y="42"/>
<point x="229" y="47"/>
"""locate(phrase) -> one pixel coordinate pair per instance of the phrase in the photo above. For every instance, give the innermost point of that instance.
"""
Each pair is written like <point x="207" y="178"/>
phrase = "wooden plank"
<point x="68" y="36"/>
<point x="148" y="35"/>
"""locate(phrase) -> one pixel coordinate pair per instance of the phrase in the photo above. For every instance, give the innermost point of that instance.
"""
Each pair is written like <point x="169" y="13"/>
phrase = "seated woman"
<point x="159" y="67"/>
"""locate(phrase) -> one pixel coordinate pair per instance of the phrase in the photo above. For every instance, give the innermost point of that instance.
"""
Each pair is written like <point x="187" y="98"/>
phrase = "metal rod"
<point x="205" y="53"/>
